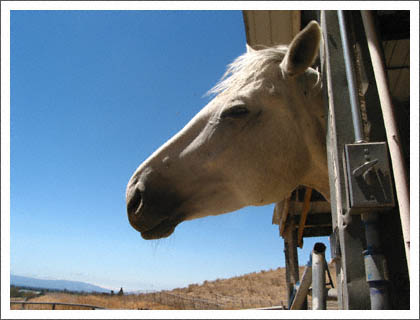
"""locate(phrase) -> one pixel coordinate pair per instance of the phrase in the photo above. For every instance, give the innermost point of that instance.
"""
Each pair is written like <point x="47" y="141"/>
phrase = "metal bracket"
<point x="335" y="245"/>
<point x="368" y="178"/>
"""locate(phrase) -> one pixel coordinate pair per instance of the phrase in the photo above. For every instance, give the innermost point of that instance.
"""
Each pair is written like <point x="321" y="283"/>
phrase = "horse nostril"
<point x="135" y="202"/>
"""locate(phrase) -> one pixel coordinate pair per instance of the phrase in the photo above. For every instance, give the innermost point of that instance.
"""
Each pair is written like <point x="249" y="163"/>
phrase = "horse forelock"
<point x="247" y="68"/>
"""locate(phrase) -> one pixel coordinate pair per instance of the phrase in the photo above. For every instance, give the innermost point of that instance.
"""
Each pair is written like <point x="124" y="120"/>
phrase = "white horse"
<point x="260" y="137"/>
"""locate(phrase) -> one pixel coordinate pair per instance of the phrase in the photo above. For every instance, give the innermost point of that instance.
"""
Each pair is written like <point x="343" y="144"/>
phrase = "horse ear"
<point x="249" y="48"/>
<point x="303" y="50"/>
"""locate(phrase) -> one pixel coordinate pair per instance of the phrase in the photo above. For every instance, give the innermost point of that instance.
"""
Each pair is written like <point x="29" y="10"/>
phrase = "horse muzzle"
<point x="152" y="211"/>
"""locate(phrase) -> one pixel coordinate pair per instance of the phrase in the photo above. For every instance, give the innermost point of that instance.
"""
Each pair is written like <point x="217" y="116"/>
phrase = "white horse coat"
<point x="260" y="137"/>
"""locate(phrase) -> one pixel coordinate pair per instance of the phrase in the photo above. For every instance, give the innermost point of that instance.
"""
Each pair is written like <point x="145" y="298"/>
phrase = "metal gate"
<point x="367" y="231"/>
<point x="368" y="220"/>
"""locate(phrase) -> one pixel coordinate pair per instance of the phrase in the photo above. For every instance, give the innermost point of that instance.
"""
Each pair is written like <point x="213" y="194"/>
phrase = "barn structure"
<point x="365" y="63"/>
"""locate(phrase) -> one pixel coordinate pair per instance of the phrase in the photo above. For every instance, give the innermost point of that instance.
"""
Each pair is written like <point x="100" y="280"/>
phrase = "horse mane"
<point x="248" y="68"/>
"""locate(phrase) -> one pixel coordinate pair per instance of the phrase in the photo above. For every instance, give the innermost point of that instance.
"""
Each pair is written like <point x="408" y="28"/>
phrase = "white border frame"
<point x="7" y="6"/>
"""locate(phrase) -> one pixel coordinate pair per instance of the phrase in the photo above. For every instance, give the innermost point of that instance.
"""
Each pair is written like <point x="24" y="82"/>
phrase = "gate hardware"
<point x="368" y="178"/>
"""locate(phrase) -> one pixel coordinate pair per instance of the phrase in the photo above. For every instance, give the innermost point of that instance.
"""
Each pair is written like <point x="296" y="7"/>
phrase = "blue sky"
<point x="93" y="94"/>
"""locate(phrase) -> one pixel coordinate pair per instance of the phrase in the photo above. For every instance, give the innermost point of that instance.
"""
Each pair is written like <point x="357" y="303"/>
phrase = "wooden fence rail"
<point x="53" y="304"/>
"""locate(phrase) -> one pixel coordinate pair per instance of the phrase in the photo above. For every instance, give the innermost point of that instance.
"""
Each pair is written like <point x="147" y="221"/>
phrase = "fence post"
<point x="318" y="277"/>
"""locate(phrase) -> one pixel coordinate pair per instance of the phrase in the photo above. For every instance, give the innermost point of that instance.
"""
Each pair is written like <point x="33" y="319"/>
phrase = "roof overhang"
<point x="271" y="27"/>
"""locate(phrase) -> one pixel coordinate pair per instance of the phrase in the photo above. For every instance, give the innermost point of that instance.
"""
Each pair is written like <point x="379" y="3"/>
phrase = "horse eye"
<point x="235" y="112"/>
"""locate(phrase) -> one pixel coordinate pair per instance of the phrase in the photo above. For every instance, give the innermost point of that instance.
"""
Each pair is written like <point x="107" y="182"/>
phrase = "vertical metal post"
<point x="393" y="137"/>
<point x="375" y="265"/>
<point x="389" y="224"/>
<point x="351" y="80"/>
<point x="374" y="260"/>
<point x="352" y="289"/>
<point x="318" y="277"/>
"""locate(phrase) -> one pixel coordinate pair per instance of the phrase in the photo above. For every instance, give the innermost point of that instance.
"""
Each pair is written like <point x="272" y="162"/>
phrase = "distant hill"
<point x="55" y="284"/>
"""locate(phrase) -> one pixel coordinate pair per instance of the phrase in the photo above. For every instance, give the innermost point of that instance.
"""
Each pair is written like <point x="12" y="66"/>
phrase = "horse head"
<point x="261" y="136"/>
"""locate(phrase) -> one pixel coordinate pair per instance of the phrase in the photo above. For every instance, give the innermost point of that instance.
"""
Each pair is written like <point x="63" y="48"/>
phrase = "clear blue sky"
<point x="93" y="94"/>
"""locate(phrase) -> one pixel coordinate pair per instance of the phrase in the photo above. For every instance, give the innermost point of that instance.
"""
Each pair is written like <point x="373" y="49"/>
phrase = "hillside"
<point x="257" y="289"/>
<point x="54" y="284"/>
<point x="253" y="290"/>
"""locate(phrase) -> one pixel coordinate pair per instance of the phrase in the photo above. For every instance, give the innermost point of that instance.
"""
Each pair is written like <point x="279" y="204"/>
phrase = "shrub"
<point x="14" y="292"/>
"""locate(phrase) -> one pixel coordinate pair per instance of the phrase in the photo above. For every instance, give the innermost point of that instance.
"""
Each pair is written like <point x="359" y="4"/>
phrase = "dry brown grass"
<point x="253" y="290"/>
<point x="265" y="288"/>
<point x="105" y="301"/>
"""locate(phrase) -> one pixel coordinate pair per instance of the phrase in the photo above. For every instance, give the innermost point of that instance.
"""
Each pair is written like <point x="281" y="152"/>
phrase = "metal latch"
<point x="368" y="177"/>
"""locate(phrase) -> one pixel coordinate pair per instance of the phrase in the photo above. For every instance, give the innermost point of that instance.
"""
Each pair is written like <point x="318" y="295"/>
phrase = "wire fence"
<point x="219" y="302"/>
<point x="213" y="301"/>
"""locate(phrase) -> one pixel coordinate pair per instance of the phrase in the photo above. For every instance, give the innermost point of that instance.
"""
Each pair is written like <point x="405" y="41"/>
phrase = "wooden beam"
<point x="291" y="259"/>
<point x="284" y="214"/>
<point x="306" y="207"/>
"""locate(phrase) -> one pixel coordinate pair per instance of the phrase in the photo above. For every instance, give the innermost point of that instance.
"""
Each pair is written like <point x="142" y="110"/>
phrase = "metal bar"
<point x="375" y="264"/>
<point x="303" y="289"/>
<point x="318" y="277"/>
<point x="397" y="67"/>
<point x="269" y="308"/>
<point x="57" y="303"/>
<point x="394" y="141"/>
<point x="351" y="81"/>
<point x="305" y="210"/>
<point x="392" y="240"/>
<point x="329" y="276"/>
<point x="352" y="289"/>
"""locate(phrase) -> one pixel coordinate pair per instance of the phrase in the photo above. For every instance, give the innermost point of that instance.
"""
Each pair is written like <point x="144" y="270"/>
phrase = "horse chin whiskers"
<point x="163" y="229"/>
<point x="161" y="232"/>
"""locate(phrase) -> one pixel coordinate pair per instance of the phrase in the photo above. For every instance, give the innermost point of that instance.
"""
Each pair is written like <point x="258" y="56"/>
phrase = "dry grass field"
<point x="254" y="290"/>
<point x="126" y="302"/>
